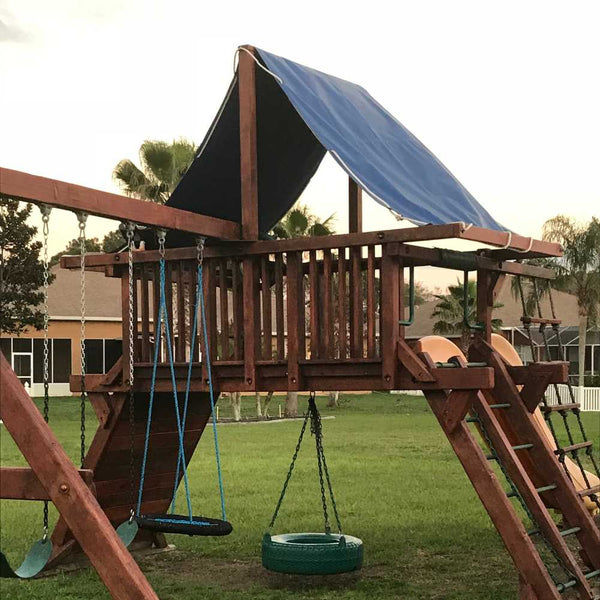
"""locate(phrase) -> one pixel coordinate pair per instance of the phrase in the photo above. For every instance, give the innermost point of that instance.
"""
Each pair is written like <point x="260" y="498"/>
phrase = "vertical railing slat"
<point x="295" y="318"/>
<point x="267" y="323"/>
<point x="327" y="342"/>
<point x="371" y="306"/>
<point x="145" y="355"/>
<point x="342" y="329"/>
<point x="279" y="317"/>
<point x="356" y="303"/>
<point x="313" y="282"/>
<point x="238" y="315"/>
<point x="181" y="324"/>
<point x="224" y="309"/>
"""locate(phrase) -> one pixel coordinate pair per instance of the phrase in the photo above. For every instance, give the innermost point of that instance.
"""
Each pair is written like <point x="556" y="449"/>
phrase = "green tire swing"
<point x="324" y="553"/>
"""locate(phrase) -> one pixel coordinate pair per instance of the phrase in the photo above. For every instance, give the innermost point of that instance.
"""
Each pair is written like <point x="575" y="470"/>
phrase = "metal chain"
<point x="130" y="228"/>
<point x="45" y="210"/>
<point x="290" y="471"/>
<point x="82" y="218"/>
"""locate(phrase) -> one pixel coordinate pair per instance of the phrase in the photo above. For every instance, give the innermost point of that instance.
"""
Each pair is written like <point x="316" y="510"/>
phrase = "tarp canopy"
<point x="301" y="114"/>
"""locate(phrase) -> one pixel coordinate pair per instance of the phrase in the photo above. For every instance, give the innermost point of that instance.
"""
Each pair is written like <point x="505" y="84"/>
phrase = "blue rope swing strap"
<point x="181" y="417"/>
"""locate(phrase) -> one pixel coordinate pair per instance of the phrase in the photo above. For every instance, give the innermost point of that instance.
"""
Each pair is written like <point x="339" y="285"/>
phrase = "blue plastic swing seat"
<point x="183" y="524"/>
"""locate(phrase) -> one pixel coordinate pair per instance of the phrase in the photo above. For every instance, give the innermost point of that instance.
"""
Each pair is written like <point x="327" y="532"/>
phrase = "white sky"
<point x="506" y="94"/>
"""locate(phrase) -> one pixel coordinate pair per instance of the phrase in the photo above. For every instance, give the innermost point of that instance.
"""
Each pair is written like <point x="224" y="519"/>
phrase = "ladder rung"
<point x="590" y="491"/>
<point x="574" y="447"/>
<point x="592" y="574"/>
<point x="545" y="488"/>
<point x="472" y="420"/>
<point x="559" y="407"/>
<point x="561" y="587"/>
<point x="540" y="321"/>
<point x="564" y="533"/>
<point x="491" y="457"/>
<point x="523" y="447"/>
<point x="504" y="405"/>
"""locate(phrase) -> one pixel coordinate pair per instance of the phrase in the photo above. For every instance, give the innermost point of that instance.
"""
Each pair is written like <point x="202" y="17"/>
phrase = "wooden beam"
<point x="18" y="483"/>
<point x="41" y="190"/>
<point x="354" y="206"/>
<point x="71" y="496"/>
<point x="248" y="146"/>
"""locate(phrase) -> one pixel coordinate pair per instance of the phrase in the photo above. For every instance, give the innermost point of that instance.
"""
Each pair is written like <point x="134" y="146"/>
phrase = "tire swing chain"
<point x="313" y="415"/>
<point x="82" y="218"/>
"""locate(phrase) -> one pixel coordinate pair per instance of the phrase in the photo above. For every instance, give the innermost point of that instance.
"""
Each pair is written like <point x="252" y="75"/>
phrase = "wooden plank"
<point x="144" y="282"/>
<point x="295" y="318"/>
<point x="251" y="321"/>
<point x="342" y="319"/>
<point x="31" y="188"/>
<point x="314" y="308"/>
<point x="557" y="371"/>
<point x="71" y="496"/>
<point x="267" y="317"/>
<point x="390" y="313"/>
<point x="327" y="334"/>
<point x="224" y="307"/>
<point x="279" y="316"/>
<point x="180" y="353"/>
<point x="248" y="146"/>
<point x="356" y="304"/>
<point x="125" y="324"/>
<point x="520" y="547"/>
<point x="533" y="391"/>
<point x="414" y="365"/>
<point x="354" y="206"/>
<point x="238" y="310"/>
<point x="517" y="242"/>
<point x="371" y="305"/>
<point x="18" y="483"/>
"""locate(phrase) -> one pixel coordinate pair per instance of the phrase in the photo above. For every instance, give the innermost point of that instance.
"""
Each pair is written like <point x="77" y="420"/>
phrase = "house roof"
<point x="510" y="312"/>
<point x="102" y="295"/>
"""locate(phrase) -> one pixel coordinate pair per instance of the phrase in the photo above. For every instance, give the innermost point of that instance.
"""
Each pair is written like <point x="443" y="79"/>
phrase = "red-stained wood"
<point x="356" y="303"/>
<point x="295" y="319"/>
<point x="371" y="305"/>
<point x="248" y="145"/>
<point x="238" y="310"/>
<point x="354" y="206"/>
<point x="192" y="299"/>
<point x="71" y="496"/>
<point x="31" y="188"/>
<point x="314" y="308"/>
<point x="125" y="323"/>
<point x="181" y="312"/>
<point x="144" y="282"/>
<point x="534" y="389"/>
<point x="327" y="333"/>
<point x="412" y="363"/>
<point x="489" y="285"/>
<point x="224" y="308"/>
<point x="251" y="321"/>
<point x="341" y="309"/>
<point x="522" y="550"/>
<point x="279" y="315"/>
<point x="267" y="316"/>
<point x="457" y="407"/>
<point x="390" y="313"/>
<point x="18" y="483"/>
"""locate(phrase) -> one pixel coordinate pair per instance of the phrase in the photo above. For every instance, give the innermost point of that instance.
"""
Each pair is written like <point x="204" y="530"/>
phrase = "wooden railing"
<point x="285" y="308"/>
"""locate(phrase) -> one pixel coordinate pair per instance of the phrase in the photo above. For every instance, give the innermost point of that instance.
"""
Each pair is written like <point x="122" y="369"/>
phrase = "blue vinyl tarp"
<point x="301" y="114"/>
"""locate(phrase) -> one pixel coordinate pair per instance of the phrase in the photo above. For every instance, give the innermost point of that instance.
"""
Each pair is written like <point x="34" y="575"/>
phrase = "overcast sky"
<point x="506" y="94"/>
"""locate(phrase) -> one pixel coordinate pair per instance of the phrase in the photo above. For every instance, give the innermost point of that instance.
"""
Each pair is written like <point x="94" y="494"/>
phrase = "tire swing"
<point x="170" y="522"/>
<point x="312" y="553"/>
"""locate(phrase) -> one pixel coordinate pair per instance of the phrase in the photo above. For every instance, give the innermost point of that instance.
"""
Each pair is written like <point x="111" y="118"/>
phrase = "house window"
<point x="6" y="348"/>
<point x="61" y="351"/>
<point x="101" y="354"/>
<point x="38" y="360"/>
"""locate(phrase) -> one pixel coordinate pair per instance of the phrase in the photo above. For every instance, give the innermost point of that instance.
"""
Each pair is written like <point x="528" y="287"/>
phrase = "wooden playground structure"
<point x="304" y="314"/>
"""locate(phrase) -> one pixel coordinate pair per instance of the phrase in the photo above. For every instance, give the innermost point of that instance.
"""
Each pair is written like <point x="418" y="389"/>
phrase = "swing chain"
<point x="161" y="235"/>
<point x="82" y="218"/>
<point x="129" y="230"/>
<point x="200" y="241"/>
<point x="45" y="210"/>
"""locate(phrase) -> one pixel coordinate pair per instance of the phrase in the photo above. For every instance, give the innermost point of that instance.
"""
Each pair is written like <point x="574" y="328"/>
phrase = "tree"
<point x="74" y="249"/>
<point x="21" y="271"/>
<point x="113" y="241"/>
<point x="578" y="270"/>
<point x="449" y="311"/>
<point x="300" y="222"/>
<point x="163" y="164"/>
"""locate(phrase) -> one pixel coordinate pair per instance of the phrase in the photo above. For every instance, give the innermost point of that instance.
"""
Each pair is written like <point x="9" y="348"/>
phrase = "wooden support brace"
<point x="534" y="389"/>
<point x="412" y="363"/>
<point x="458" y="404"/>
<point x="18" y="483"/>
<point x="71" y="496"/>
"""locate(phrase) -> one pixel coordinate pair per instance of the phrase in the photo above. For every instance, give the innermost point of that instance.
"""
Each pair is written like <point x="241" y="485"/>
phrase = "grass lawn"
<point x="399" y="488"/>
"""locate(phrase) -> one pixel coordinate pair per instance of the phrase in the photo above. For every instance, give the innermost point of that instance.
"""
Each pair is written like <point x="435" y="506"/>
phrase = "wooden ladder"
<point x="504" y="417"/>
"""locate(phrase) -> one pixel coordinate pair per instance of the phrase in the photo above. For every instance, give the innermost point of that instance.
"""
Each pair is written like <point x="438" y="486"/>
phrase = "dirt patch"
<point x="247" y="574"/>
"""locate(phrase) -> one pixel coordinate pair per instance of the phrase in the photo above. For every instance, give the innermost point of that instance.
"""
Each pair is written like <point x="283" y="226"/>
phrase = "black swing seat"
<point x="183" y="524"/>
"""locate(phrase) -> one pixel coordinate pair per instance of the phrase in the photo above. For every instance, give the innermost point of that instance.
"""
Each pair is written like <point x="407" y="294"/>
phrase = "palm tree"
<point x="300" y="222"/>
<point x="163" y="165"/>
<point x="450" y="313"/>
<point x="578" y="270"/>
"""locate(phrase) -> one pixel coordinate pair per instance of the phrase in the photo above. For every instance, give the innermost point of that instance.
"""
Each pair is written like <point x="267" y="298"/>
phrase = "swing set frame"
<point x="257" y="282"/>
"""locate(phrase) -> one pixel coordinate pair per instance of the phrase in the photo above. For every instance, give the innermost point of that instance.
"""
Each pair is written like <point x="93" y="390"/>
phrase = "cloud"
<point x="11" y="32"/>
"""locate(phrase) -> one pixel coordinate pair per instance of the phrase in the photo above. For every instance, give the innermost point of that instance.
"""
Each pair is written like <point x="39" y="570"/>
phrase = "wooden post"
<point x="69" y="493"/>
<point x="354" y="206"/>
<point x="390" y="313"/>
<point x="488" y="287"/>
<point x="248" y="149"/>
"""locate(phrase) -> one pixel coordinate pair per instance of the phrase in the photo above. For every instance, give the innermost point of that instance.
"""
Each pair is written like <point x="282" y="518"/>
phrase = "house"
<point x="25" y="353"/>
<point x="512" y="328"/>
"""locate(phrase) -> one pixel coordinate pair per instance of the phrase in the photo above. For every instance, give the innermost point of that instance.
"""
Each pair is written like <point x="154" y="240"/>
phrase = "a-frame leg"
<point x="73" y="499"/>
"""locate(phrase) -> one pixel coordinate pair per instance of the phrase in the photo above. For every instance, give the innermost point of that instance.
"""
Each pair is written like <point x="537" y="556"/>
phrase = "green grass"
<point x="399" y="488"/>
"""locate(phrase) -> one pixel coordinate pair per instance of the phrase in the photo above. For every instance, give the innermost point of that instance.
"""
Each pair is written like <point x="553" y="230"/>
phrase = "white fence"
<point x="589" y="402"/>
